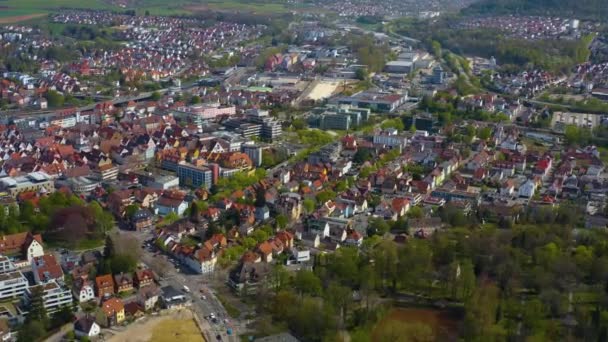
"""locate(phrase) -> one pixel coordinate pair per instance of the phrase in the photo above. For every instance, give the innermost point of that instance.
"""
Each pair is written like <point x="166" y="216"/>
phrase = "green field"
<point x="17" y="8"/>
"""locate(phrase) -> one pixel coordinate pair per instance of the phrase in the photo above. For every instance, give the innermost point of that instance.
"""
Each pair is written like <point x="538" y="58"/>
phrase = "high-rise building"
<point x="254" y="152"/>
<point x="194" y="176"/>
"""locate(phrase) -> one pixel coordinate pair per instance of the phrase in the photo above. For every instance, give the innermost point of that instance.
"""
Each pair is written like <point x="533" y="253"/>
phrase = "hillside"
<point x="586" y="9"/>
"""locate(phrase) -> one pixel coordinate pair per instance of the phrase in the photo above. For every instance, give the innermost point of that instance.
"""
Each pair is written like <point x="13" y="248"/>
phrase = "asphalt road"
<point x="198" y="288"/>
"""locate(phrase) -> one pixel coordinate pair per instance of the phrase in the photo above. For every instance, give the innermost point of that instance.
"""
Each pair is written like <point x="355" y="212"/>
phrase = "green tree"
<point x="326" y="195"/>
<point x="361" y="74"/>
<point x="306" y="282"/>
<point x="281" y="221"/>
<point x="109" y="250"/>
<point x="309" y="205"/>
<point x="130" y="210"/>
<point x="55" y="99"/>
<point x="195" y="99"/>
<point x="37" y="312"/>
<point x="31" y="331"/>
<point x="155" y="96"/>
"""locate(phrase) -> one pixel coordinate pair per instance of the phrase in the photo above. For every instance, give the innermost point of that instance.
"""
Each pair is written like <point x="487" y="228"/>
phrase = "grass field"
<point x="173" y="329"/>
<point x="239" y="5"/>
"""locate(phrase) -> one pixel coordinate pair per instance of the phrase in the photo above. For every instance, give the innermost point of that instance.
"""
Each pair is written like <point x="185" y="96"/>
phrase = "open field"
<point x="177" y="326"/>
<point x="441" y="323"/>
<point x="239" y="5"/>
<point x="323" y="89"/>
<point x="19" y="18"/>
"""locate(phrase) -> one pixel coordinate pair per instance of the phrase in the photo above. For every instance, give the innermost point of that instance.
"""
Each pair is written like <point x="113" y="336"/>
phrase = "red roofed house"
<point x="26" y="245"/>
<point x="104" y="285"/>
<point x="46" y="269"/>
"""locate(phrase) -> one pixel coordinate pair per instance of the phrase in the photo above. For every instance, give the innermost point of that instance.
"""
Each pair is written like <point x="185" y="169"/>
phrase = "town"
<point x="195" y="176"/>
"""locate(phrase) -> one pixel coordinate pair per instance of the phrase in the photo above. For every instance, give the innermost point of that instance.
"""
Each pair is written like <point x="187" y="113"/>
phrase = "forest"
<point x="582" y="9"/>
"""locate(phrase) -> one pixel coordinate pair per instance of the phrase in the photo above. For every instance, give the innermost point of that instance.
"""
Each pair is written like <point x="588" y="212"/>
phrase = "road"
<point x="197" y="284"/>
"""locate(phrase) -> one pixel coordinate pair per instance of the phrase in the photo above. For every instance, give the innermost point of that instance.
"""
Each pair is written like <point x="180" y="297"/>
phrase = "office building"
<point x="254" y="152"/>
<point x="39" y="182"/>
<point x="438" y="76"/>
<point x="342" y="117"/>
<point x="194" y="175"/>
<point x="380" y="102"/>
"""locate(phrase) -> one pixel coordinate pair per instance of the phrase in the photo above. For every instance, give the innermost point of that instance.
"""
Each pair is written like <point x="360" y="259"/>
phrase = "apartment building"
<point x="12" y="285"/>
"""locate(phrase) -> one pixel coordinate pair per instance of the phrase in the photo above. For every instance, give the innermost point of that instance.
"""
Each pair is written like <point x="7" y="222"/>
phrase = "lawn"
<point x="173" y="329"/>
<point x="230" y="309"/>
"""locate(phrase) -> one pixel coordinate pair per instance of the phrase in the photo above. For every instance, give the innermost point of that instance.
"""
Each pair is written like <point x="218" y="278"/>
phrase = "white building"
<point x="83" y="291"/>
<point x="202" y="261"/>
<point x="6" y="265"/>
<point x="36" y="181"/>
<point x="527" y="189"/>
<point x="86" y="326"/>
<point x="54" y="296"/>
<point x="390" y="137"/>
<point x="12" y="285"/>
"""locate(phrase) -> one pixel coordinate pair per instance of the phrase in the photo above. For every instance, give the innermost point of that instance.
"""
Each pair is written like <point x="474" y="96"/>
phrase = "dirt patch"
<point x="20" y="18"/>
<point x="443" y="323"/>
<point x="176" y="326"/>
<point x="196" y="8"/>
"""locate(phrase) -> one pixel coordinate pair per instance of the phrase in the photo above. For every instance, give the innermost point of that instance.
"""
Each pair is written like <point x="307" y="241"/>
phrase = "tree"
<point x="55" y="99"/>
<point x="484" y="133"/>
<point x="37" y="310"/>
<point x="31" y="331"/>
<point x="395" y="123"/>
<point x="377" y="226"/>
<point x="362" y="155"/>
<point x="259" y="235"/>
<point x="279" y="278"/>
<point x="195" y="99"/>
<point x="306" y="282"/>
<point x="361" y="74"/>
<point x="155" y="96"/>
<point x="480" y="317"/>
<point x="309" y="205"/>
<point x="108" y="250"/>
<point x="282" y="221"/>
<point x="130" y="210"/>
<point x="324" y="196"/>
<point x="170" y="218"/>
<point x="260" y="197"/>
<point x="340" y="297"/>
<point x="415" y="212"/>
<point x="194" y="211"/>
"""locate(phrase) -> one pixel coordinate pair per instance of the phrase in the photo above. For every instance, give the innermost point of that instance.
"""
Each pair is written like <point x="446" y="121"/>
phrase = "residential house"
<point x="527" y="189"/>
<point x="134" y="310"/>
<point x="105" y="285"/>
<point x="46" y="269"/>
<point x="123" y="282"/>
<point x="142" y="220"/>
<point x="143" y="278"/>
<point x="83" y="290"/>
<point x="148" y="297"/>
<point x="86" y="327"/>
<point x="23" y="245"/>
<point x="112" y="312"/>
<point x="171" y="203"/>
<point x="172" y="298"/>
<point x="354" y="238"/>
<point x="265" y="250"/>
<point x="246" y="277"/>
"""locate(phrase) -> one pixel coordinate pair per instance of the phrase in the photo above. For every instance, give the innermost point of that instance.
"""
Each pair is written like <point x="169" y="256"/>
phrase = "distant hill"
<point x="583" y="9"/>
